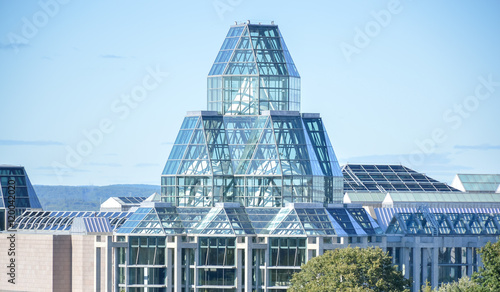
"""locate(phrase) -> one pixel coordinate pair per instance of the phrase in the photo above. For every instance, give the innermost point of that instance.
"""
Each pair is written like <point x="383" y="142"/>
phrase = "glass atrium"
<point x="253" y="146"/>
<point x="253" y="72"/>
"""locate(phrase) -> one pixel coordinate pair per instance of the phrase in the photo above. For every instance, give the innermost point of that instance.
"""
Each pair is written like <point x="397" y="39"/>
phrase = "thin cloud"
<point x="29" y="143"/>
<point x="13" y="46"/>
<point x="111" y="56"/>
<point x="145" y="165"/>
<point x="105" y="164"/>
<point x="478" y="147"/>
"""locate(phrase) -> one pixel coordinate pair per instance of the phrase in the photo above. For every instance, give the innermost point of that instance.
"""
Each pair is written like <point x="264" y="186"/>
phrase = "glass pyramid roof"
<point x="153" y="221"/>
<point x="253" y="72"/>
<point x="254" y="49"/>
<point x="231" y="219"/>
<point x="26" y="197"/>
<point x="269" y="147"/>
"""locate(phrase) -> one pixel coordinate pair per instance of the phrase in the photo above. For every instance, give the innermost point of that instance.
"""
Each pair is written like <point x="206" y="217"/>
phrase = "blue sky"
<point x="411" y="82"/>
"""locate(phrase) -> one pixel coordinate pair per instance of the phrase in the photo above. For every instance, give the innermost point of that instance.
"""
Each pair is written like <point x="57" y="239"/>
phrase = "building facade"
<point x="251" y="191"/>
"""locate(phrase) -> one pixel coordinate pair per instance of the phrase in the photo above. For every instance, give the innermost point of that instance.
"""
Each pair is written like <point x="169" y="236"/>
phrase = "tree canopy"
<point x="350" y="269"/>
<point x="464" y="284"/>
<point x="486" y="279"/>
<point x="489" y="276"/>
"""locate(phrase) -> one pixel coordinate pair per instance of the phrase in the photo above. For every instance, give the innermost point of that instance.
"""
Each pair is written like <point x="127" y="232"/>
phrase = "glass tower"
<point x="16" y="194"/>
<point x="253" y="72"/>
<point x="252" y="146"/>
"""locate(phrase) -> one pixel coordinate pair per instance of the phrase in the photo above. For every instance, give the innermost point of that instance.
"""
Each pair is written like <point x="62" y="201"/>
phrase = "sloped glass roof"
<point x="230" y="219"/>
<point x="470" y="198"/>
<point x="446" y="224"/>
<point x="354" y="197"/>
<point x="389" y="178"/>
<point x="153" y="221"/>
<point x="25" y="193"/>
<point x="62" y="220"/>
<point x="479" y="182"/>
<point x="385" y="215"/>
<point x="254" y="49"/>
<point x="220" y="220"/>
<point x="253" y="72"/>
<point x="131" y="200"/>
<point x="271" y="147"/>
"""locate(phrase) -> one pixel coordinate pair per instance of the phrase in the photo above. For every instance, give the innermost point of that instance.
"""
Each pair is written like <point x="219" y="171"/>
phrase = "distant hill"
<point x="87" y="198"/>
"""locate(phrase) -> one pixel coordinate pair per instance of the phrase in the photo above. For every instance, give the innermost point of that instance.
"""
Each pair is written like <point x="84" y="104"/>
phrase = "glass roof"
<point x="446" y="224"/>
<point x="25" y="193"/>
<point x="62" y="220"/>
<point x="269" y="146"/>
<point x="153" y="221"/>
<point x="389" y="178"/>
<point x="254" y="49"/>
<point x="443" y="197"/>
<point x="231" y="220"/>
<point x="478" y="182"/>
<point x="264" y="145"/>
<point x="253" y="72"/>
<point x="385" y="215"/>
<point x="131" y="200"/>
<point x="354" y="197"/>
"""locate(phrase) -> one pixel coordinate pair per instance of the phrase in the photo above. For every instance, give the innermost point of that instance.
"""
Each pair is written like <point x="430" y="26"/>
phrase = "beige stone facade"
<point x="48" y="262"/>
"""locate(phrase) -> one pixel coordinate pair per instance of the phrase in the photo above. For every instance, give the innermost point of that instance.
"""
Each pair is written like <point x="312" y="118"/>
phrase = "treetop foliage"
<point x="350" y="269"/>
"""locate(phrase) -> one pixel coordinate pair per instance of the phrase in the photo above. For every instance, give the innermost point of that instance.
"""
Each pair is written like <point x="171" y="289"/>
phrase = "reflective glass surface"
<point x="257" y="161"/>
<point x="235" y="221"/>
<point x="252" y="72"/>
<point x="25" y="196"/>
<point x="389" y="178"/>
<point x="445" y="224"/>
<point x="62" y="220"/>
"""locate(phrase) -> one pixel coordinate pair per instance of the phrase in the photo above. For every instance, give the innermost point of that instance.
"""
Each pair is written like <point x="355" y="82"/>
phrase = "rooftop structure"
<point x="253" y="147"/>
<point x="14" y="183"/>
<point x="477" y="183"/>
<point x="251" y="191"/>
<point x="62" y="221"/>
<point x="122" y="204"/>
<point x="389" y="178"/>
<point x="253" y="72"/>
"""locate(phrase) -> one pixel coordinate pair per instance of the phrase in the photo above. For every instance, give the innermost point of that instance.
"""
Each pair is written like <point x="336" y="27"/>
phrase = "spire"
<point x="253" y="72"/>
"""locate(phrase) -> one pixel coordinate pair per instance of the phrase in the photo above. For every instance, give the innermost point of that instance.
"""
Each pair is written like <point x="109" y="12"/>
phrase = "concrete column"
<point x="168" y="261"/>
<point x="196" y="261"/>
<point x="178" y="265"/>
<point x="435" y="268"/>
<point x="117" y="268"/>
<point x="319" y="241"/>
<point x="268" y="263"/>
<point x="470" y="265"/>
<point x="109" y="264"/>
<point x="128" y="252"/>
<point x="97" y="269"/>
<point x="239" y="278"/>
<point x="417" y="268"/>
<point x="248" y="264"/>
<point x="405" y="254"/>
<point x="425" y="262"/>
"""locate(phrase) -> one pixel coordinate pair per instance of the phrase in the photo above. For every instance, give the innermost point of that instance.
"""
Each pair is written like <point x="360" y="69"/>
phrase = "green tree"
<point x="350" y="269"/>
<point x="489" y="276"/>
<point x="464" y="284"/>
